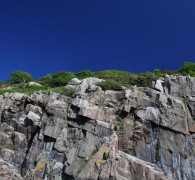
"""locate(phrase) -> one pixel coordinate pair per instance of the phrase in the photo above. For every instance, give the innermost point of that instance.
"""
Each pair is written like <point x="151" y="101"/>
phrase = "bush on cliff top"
<point x="119" y="77"/>
<point x="61" y="78"/>
<point x="46" y="78"/>
<point x="2" y="83"/>
<point x="110" y="85"/>
<point x="27" y="91"/>
<point x="84" y="74"/>
<point x="33" y="89"/>
<point x="188" y="69"/>
<point x="18" y="77"/>
<point x="63" y="91"/>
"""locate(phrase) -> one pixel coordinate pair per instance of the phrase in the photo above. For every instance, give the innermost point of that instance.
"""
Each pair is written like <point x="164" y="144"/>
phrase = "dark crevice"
<point x="49" y="139"/>
<point x="122" y="114"/>
<point x="26" y="102"/>
<point x="37" y="130"/>
<point x="84" y="132"/>
<point x="153" y="125"/>
<point x="45" y="172"/>
<point x="132" y="110"/>
<point x="67" y="177"/>
<point x="169" y="129"/>
<point x="80" y="121"/>
<point x="70" y="126"/>
<point x="30" y="142"/>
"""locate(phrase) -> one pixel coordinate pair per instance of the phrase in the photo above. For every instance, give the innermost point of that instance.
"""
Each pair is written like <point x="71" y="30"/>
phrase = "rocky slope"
<point x="137" y="133"/>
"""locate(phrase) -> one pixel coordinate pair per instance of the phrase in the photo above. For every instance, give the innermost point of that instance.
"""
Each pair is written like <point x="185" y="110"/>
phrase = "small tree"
<point x="61" y="78"/>
<point x="46" y="78"/>
<point x="2" y="83"/>
<point x="84" y="74"/>
<point x="18" y="77"/>
<point x="188" y="69"/>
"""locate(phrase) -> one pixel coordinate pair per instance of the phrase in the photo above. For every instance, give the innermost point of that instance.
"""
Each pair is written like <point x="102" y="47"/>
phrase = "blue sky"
<point x="46" y="36"/>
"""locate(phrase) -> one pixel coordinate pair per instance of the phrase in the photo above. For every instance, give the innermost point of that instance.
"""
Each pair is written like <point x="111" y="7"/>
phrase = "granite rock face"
<point x="137" y="133"/>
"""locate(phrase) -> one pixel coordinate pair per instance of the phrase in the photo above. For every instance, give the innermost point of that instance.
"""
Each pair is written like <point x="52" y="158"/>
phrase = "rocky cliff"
<point x="138" y="133"/>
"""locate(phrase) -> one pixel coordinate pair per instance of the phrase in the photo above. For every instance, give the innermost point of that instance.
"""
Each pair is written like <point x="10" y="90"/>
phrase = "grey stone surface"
<point x="137" y="133"/>
<point x="74" y="81"/>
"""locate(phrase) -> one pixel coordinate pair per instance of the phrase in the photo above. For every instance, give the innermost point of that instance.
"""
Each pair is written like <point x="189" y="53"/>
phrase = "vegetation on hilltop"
<point x="188" y="69"/>
<point x="18" y="77"/>
<point x="110" y="85"/>
<point x="114" y="79"/>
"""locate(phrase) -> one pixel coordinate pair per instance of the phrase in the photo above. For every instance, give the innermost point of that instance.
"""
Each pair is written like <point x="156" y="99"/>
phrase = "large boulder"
<point x="181" y="86"/>
<point x="34" y="84"/>
<point x="74" y="81"/>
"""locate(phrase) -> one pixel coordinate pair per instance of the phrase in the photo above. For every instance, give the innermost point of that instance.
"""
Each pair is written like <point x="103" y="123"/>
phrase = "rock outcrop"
<point x="137" y="133"/>
<point x="34" y="84"/>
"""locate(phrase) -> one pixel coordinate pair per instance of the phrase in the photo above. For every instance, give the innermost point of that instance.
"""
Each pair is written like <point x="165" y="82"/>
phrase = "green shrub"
<point x="169" y="72"/>
<point x="2" y="83"/>
<point x="18" y="77"/>
<point x="123" y="77"/>
<point x="145" y="79"/>
<point x="141" y="88"/>
<point x="188" y="69"/>
<point x="111" y="73"/>
<point x="185" y="102"/>
<point x="126" y="79"/>
<point x="21" y="86"/>
<point x="69" y="101"/>
<point x="64" y="91"/>
<point x="159" y="73"/>
<point x="121" y="96"/>
<point x="84" y="74"/>
<point x="120" y="125"/>
<point x="46" y="78"/>
<point x="110" y="85"/>
<point x="61" y="78"/>
<point x="27" y="91"/>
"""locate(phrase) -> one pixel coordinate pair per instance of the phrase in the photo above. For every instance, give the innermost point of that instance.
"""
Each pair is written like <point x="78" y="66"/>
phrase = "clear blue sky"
<point x="46" y="36"/>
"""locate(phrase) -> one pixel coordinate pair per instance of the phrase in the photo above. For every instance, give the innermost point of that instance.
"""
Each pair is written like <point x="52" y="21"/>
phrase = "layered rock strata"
<point x="137" y="133"/>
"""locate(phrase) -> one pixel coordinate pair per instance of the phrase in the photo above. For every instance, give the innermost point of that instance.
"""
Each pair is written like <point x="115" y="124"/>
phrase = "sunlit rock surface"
<point x="137" y="133"/>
